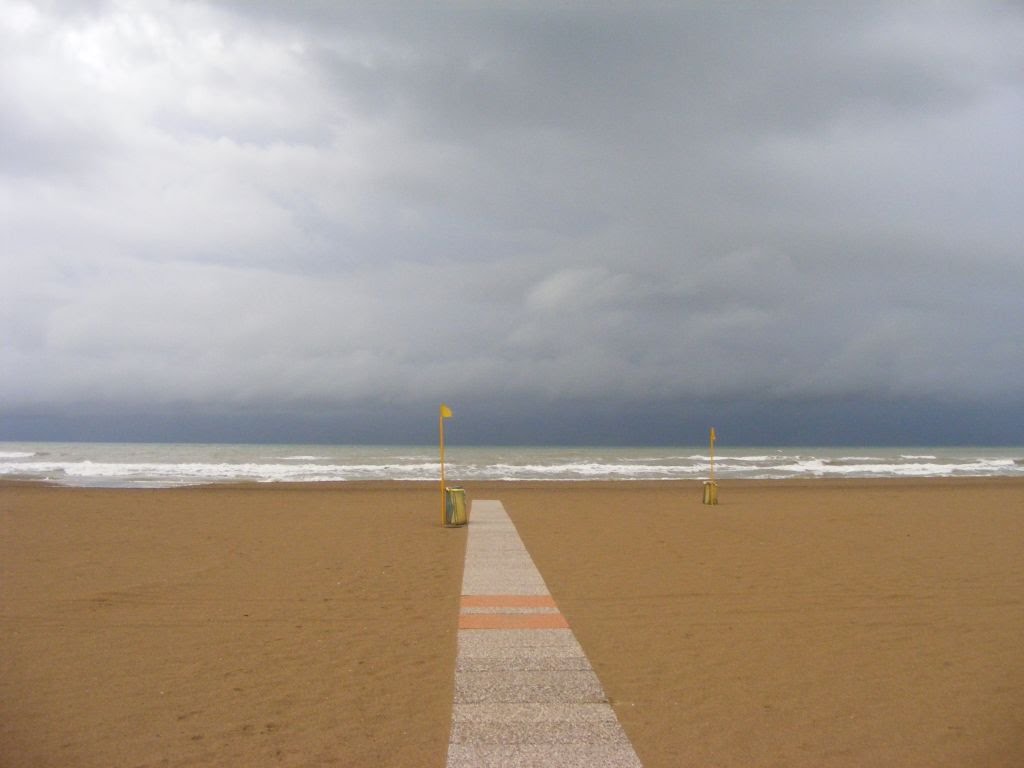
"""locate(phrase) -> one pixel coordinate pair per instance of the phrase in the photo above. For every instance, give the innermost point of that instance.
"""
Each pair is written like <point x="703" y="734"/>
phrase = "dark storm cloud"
<point x="317" y="206"/>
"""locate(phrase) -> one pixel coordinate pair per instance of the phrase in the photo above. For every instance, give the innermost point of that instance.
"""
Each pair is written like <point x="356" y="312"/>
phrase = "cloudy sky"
<point x="573" y="222"/>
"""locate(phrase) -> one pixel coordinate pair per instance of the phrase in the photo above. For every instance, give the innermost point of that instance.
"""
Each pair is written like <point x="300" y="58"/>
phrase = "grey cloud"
<point x="321" y="206"/>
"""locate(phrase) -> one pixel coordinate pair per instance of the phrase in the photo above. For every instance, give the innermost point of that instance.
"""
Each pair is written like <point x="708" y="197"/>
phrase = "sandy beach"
<point x="797" y="623"/>
<point x="266" y="625"/>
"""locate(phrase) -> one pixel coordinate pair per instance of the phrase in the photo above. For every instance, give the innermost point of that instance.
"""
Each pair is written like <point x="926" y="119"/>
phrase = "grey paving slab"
<point x="532" y="713"/>
<point x="542" y="756"/>
<point x="552" y="731"/>
<point x="502" y="586"/>
<point x="526" y="662"/>
<point x="523" y="696"/>
<point x="516" y="643"/>
<point x="521" y="687"/>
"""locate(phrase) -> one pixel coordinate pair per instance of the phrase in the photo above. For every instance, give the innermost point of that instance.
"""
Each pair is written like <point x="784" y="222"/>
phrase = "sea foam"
<point x="175" y="465"/>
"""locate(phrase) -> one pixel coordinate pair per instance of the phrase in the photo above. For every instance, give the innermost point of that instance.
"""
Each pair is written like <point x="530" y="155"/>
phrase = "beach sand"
<point x="812" y="623"/>
<point x="258" y="626"/>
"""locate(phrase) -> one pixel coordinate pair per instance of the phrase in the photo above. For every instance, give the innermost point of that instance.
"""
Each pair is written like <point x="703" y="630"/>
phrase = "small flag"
<point x="446" y="412"/>
<point x="713" y="438"/>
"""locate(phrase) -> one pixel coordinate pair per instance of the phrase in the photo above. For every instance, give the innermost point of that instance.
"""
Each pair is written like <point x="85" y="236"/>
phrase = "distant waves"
<point x="168" y="465"/>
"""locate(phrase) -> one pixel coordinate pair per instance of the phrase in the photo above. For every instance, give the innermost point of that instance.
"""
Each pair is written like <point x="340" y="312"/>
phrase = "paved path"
<point x="525" y="694"/>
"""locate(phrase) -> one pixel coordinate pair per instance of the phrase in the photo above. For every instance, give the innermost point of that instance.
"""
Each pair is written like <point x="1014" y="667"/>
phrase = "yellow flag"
<point x="446" y="412"/>
<point x="713" y="438"/>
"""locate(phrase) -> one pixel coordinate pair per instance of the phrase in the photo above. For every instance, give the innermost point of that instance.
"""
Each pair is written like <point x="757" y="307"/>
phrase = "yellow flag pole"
<point x="710" y="487"/>
<point x="712" y="439"/>
<point x="443" y="413"/>
<point x="440" y="422"/>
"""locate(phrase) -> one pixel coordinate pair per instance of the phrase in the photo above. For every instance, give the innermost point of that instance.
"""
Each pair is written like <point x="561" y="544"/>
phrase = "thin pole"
<point x="443" y="413"/>
<point x="440" y="421"/>
<point x="712" y="438"/>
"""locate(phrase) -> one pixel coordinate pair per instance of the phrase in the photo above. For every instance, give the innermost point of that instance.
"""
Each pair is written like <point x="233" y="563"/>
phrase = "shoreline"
<point x="533" y="483"/>
<point x="127" y="465"/>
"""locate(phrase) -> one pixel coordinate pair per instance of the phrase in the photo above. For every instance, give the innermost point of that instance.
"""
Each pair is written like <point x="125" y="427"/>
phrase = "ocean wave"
<point x="198" y="472"/>
<point x="824" y="467"/>
<point x="167" y="466"/>
<point x="575" y="469"/>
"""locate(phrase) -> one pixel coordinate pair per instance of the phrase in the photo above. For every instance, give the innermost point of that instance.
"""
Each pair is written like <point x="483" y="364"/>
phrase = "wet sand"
<point x="796" y="623"/>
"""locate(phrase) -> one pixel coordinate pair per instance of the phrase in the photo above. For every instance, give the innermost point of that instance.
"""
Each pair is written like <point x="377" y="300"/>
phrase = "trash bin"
<point x="454" y="507"/>
<point x="710" y="492"/>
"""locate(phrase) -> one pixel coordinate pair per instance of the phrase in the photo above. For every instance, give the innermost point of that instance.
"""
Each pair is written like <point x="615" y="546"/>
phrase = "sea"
<point x="159" y="465"/>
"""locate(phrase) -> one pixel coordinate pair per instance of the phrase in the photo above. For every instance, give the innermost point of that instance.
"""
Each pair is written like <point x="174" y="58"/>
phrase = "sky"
<point x="575" y="223"/>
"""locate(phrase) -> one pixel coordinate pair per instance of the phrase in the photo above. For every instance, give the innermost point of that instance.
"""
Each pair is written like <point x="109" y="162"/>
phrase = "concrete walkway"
<point x="525" y="694"/>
